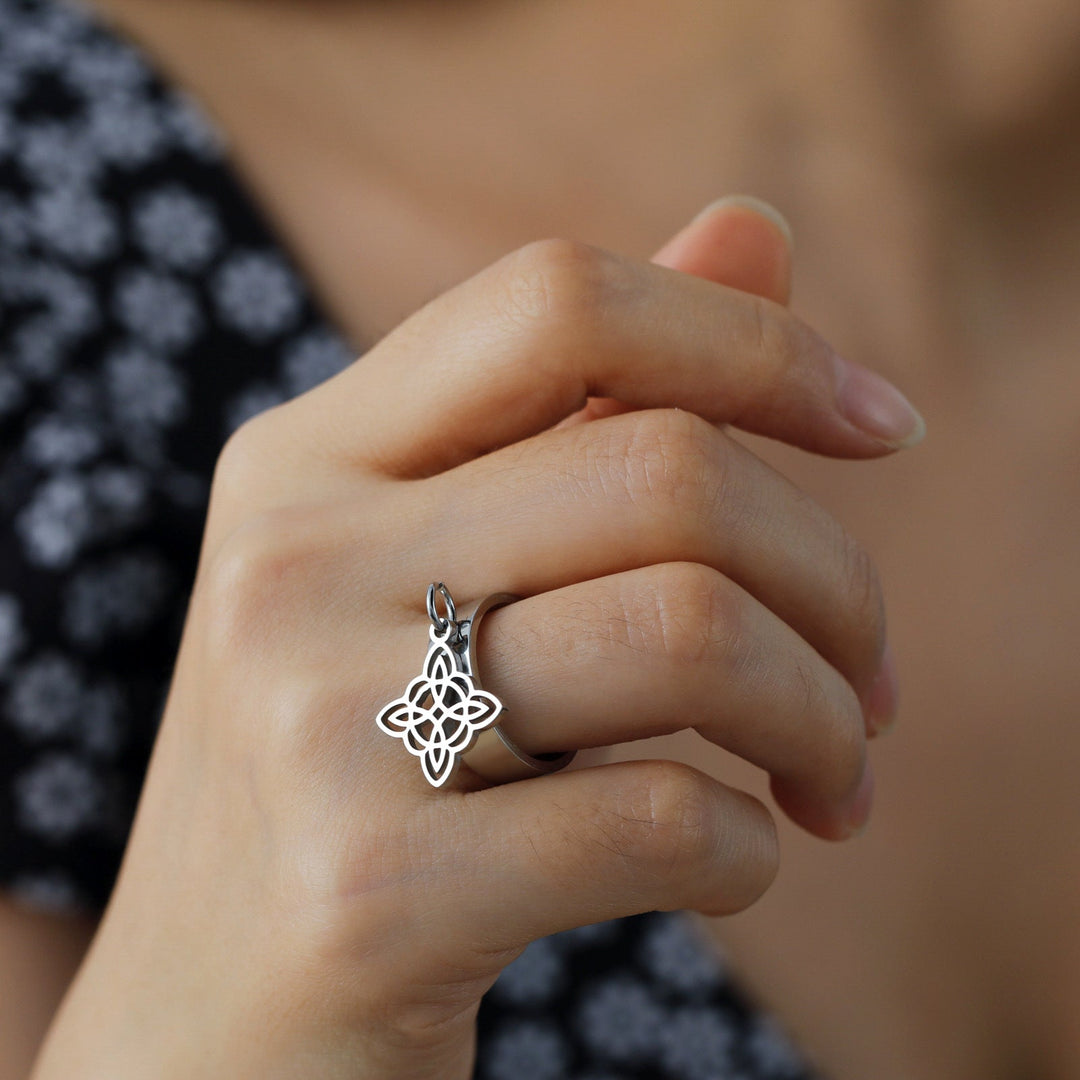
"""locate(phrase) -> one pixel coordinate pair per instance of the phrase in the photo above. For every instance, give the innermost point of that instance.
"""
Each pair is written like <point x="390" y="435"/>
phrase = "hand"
<point x="295" y="899"/>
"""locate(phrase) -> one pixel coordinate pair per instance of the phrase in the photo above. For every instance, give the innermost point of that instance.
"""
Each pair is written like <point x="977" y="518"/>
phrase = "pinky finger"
<point x="582" y="847"/>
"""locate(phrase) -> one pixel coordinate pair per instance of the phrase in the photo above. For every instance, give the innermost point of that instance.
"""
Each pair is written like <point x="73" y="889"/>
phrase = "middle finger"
<point x="662" y="486"/>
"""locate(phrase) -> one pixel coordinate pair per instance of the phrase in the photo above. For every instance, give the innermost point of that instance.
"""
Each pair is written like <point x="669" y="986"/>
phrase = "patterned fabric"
<point x="146" y="311"/>
<point x="642" y="998"/>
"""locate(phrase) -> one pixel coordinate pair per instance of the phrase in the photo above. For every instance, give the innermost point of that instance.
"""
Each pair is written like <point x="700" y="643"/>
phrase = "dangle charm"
<point x="443" y="710"/>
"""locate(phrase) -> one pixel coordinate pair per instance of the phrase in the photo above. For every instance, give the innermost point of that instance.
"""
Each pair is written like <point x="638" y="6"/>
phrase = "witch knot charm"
<point x="442" y="710"/>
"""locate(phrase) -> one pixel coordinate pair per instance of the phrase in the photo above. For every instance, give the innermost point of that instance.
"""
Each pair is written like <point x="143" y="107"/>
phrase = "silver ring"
<point x="494" y="755"/>
<point x="446" y="716"/>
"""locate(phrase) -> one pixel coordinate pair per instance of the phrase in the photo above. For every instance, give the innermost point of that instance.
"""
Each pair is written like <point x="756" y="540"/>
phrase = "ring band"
<point x="446" y="716"/>
<point x="494" y="755"/>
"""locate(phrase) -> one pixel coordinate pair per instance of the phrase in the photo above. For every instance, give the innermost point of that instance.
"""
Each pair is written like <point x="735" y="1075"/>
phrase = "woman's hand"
<point x="296" y="900"/>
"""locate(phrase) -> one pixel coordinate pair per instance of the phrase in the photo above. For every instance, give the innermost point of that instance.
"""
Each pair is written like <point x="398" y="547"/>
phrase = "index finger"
<point x="520" y="346"/>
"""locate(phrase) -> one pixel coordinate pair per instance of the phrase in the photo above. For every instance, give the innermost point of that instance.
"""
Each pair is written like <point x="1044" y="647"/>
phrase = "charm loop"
<point x="437" y="621"/>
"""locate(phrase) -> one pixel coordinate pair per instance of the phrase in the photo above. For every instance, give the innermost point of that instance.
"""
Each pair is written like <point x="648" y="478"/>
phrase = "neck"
<point x="491" y="123"/>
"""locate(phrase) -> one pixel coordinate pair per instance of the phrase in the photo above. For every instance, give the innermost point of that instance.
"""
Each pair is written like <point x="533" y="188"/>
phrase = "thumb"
<point x="738" y="241"/>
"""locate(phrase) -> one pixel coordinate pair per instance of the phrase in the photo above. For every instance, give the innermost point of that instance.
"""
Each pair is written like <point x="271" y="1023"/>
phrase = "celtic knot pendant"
<point x="442" y="710"/>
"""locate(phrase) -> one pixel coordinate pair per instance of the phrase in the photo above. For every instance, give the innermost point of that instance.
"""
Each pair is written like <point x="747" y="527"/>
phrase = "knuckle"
<point x="663" y="459"/>
<point x="666" y="819"/>
<point x="557" y="284"/>
<point x="690" y="614"/>
<point x="248" y="582"/>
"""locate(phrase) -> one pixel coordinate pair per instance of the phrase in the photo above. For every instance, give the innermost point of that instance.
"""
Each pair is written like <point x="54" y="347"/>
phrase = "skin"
<point x="911" y="199"/>
<point x="736" y="588"/>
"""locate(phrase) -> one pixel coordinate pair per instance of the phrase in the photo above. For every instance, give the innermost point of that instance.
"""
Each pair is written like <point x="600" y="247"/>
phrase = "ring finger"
<point x="653" y="651"/>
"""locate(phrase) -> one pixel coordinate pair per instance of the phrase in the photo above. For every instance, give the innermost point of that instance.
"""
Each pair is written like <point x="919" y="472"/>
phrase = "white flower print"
<point x="58" y="796"/>
<point x="56" y="523"/>
<point x="71" y="309"/>
<point x="44" y="696"/>
<point x="69" y="510"/>
<point x="120" y="496"/>
<point x="678" y="958"/>
<point x="119" y="596"/>
<point x="311" y="359"/>
<point x="57" y="441"/>
<point x="53" y="153"/>
<point x="12" y="635"/>
<point x="71" y="300"/>
<point x="63" y="22"/>
<point x="176" y="228"/>
<point x="98" y="67"/>
<point x="125" y="129"/>
<point x="37" y="45"/>
<point x="75" y="224"/>
<point x="38" y="348"/>
<point x="621" y="1019"/>
<point x="143" y="389"/>
<point x="257" y="294"/>
<point x="696" y="1043"/>
<point x="157" y="308"/>
<point x="527" y="1050"/>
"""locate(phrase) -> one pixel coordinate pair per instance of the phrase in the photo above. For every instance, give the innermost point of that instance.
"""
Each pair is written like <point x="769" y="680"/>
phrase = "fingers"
<point x="662" y="486"/>
<point x="523" y="344"/>
<point x="652" y="651"/>
<point x="739" y="242"/>
<point x="583" y="847"/>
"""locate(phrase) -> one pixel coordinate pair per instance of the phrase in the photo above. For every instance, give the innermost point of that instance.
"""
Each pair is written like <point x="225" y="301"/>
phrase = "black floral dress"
<point x="146" y="310"/>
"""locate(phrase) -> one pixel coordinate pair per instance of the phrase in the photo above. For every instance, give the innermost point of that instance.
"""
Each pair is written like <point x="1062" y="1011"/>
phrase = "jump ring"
<point x="437" y="620"/>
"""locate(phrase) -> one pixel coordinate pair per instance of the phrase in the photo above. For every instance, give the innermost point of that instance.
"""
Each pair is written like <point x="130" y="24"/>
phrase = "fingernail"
<point x="877" y="408"/>
<point x="883" y="698"/>
<point x="759" y="206"/>
<point x="861" y="803"/>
